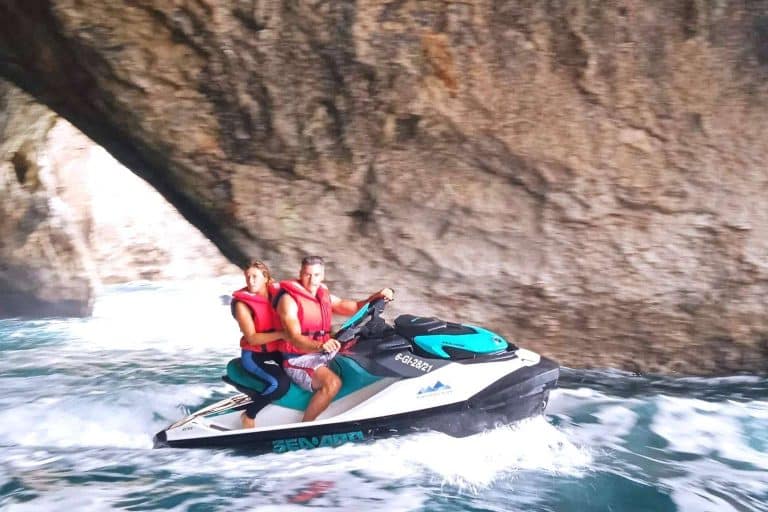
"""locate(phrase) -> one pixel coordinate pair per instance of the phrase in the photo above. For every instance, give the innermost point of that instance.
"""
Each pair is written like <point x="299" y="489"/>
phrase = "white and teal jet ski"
<point x="419" y="374"/>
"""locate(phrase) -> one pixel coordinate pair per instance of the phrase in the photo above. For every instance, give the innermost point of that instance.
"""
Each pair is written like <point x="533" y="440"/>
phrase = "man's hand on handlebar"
<point x="387" y="294"/>
<point x="330" y="346"/>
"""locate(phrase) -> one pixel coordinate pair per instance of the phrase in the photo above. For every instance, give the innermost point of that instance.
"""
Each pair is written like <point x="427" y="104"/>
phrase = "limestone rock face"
<point x="130" y="232"/>
<point x="44" y="267"/>
<point x="588" y="178"/>
<point x="74" y="218"/>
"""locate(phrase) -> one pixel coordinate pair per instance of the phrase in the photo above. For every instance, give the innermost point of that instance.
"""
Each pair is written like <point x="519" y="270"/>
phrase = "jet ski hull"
<point x="515" y="396"/>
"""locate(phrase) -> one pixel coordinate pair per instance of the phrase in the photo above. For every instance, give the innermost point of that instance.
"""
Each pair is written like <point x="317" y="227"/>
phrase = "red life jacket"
<point x="315" y="313"/>
<point x="264" y="316"/>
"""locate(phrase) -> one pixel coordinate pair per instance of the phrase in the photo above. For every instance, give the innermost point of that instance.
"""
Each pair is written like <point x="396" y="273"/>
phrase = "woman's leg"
<point x="256" y="363"/>
<point x="267" y="367"/>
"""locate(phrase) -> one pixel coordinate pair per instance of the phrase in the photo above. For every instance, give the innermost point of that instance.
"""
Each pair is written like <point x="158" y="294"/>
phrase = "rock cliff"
<point x="585" y="177"/>
<point x="43" y="265"/>
<point x="130" y="232"/>
<point x="74" y="218"/>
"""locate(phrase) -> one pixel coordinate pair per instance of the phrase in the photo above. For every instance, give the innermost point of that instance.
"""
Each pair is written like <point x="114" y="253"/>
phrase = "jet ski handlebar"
<point x="370" y="311"/>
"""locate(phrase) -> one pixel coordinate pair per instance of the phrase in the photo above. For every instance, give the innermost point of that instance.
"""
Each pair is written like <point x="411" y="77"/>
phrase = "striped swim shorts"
<point x="301" y="368"/>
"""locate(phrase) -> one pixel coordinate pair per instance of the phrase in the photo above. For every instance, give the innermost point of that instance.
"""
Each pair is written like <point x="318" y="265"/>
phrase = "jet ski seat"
<point x="352" y="375"/>
<point x="410" y="326"/>
<point x="432" y="337"/>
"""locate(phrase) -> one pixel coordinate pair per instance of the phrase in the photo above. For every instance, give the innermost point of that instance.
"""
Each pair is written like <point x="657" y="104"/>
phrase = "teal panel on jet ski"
<point x="482" y="341"/>
<point x="353" y="377"/>
<point x="356" y="317"/>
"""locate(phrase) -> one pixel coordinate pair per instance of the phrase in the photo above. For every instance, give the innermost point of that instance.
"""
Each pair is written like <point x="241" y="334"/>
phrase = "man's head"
<point x="312" y="273"/>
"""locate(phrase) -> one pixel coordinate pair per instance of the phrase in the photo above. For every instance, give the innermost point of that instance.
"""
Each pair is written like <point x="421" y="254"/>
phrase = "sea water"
<point x="80" y="400"/>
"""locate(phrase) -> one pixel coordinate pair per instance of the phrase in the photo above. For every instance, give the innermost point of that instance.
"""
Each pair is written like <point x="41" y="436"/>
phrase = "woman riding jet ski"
<point x="416" y="375"/>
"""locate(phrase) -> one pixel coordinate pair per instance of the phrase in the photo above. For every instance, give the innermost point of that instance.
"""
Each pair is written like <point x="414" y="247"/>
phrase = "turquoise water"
<point x="81" y="399"/>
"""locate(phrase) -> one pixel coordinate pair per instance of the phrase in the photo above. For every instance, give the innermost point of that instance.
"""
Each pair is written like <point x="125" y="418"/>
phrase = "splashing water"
<point x="82" y="398"/>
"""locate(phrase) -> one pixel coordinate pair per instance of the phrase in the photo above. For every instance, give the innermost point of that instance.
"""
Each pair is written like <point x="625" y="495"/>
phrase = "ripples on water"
<point x="81" y="400"/>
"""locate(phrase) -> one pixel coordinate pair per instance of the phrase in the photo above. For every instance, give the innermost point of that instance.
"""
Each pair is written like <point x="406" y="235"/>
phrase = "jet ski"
<point x="417" y="374"/>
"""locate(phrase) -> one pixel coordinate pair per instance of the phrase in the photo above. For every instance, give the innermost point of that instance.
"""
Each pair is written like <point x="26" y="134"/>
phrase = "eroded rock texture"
<point x="74" y="218"/>
<point x="586" y="177"/>
<point x="130" y="232"/>
<point x="44" y="267"/>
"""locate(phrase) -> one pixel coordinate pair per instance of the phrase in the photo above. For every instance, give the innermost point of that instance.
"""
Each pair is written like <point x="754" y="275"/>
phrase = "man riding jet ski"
<point x="416" y="375"/>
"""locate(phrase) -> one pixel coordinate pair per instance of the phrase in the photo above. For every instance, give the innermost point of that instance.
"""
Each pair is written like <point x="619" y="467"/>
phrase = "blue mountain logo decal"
<point x="437" y="386"/>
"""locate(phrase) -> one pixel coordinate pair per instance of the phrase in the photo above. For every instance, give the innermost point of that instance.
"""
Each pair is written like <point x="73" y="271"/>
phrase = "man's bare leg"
<point x="327" y="384"/>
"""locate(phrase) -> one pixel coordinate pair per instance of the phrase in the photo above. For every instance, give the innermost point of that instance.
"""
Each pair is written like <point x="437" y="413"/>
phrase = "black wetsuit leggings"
<point x="267" y="367"/>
